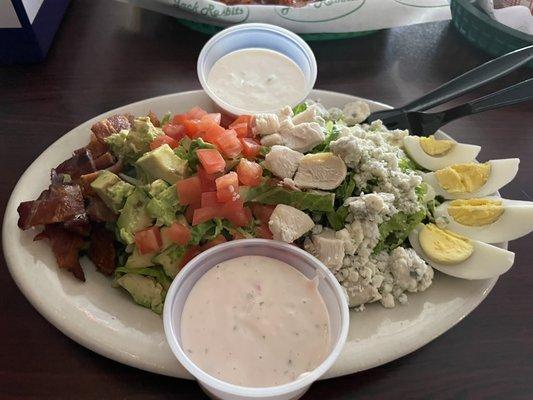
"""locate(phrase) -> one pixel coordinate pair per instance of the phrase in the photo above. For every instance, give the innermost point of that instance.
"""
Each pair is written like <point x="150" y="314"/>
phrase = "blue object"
<point x="31" y="41"/>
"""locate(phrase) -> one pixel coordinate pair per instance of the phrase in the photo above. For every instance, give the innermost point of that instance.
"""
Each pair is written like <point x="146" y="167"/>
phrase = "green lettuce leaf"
<point x="331" y="135"/>
<point x="299" y="108"/>
<point x="337" y="219"/>
<point x="394" y="231"/>
<point x="267" y="194"/>
<point x="206" y="231"/>
<point x="346" y="188"/>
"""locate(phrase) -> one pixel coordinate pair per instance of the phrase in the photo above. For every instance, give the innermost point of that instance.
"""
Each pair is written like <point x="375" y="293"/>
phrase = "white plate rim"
<point x="79" y="335"/>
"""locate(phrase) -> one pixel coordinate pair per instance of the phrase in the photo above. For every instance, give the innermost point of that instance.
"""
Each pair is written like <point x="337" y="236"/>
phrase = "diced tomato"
<point x="196" y="113"/>
<point x="263" y="231"/>
<point x="246" y="119"/>
<point x="240" y="218"/>
<point x="218" y="240"/>
<point x="179" y="119"/>
<point x="161" y="140"/>
<point x="210" y="199"/>
<point x="191" y="128"/>
<point x="262" y="211"/>
<point x="231" y="207"/>
<point x="241" y="129"/>
<point x="227" y="186"/>
<point x="178" y="233"/>
<point x="213" y="133"/>
<point x="208" y="121"/>
<point x="250" y="173"/>
<point x="189" y="255"/>
<point x="229" y="144"/>
<point x="243" y="126"/>
<point x="148" y="240"/>
<point x="216" y="117"/>
<point x="250" y="148"/>
<point x="189" y="212"/>
<point x="211" y="160"/>
<point x="174" y="131"/>
<point x="189" y="190"/>
<point x="207" y="180"/>
<point x="203" y="214"/>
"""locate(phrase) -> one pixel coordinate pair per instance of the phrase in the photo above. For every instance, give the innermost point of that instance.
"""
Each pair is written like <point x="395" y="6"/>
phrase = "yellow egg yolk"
<point x="475" y="212"/>
<point x="463" y="178"/>
<point x="434" y="147"/>
<point x="443" y="246"/>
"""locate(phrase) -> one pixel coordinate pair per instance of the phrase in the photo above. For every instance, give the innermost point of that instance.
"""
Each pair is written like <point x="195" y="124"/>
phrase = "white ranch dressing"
<point x="255" y="321"/>
<point x="257" y="80"/>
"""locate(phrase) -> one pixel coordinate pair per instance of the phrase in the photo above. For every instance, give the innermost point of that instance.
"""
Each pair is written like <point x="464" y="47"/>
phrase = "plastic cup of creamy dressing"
<point x="265" y="38"/>
<point x="329" y="289"/>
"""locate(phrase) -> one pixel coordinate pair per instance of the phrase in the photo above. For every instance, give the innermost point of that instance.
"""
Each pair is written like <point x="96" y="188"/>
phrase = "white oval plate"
<point x="106" y="321"/>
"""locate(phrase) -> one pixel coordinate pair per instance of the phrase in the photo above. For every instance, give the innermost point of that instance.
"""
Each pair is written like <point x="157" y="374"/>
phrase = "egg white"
<point x="516" y="221"/>
<point x="460" y="153"/>
<point x="501" y="173"/>
<point x="486" y="261"/>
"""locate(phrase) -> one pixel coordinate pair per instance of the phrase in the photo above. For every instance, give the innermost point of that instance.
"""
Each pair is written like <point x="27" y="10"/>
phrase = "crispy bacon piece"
<point x="98" y="211"/>
<point x="59" y="203"/>
<point x="154" y="120"/>
<point x="104" y="161"/>
<point x="79" y="164"/>
<point x="102" y="250"/>
<point x="66" y="247"/>
<point x="95" y="146"/>
<point x="78" y="224"/>
<point x="111" y="125"/>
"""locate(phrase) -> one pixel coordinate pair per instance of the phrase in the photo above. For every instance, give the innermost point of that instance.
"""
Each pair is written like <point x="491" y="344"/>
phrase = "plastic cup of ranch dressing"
<point x="256" y="68"/>
<point x="330" y="291"/>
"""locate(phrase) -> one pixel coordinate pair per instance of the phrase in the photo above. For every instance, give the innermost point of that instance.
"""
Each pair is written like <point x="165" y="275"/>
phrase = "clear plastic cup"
<point x="330" y="290"/>
<point x="255" y="35"/>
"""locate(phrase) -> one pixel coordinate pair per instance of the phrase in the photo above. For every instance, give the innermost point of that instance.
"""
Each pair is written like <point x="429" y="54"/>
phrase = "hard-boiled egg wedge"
<point x="433" y="154"/>
<point x="490" y="219"/>
<point x="466" y="181"/>
<point x="457" y="255"/>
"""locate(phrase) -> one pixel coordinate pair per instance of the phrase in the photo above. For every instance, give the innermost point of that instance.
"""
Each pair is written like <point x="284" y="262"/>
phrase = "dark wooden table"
<point x="107" y="54"/>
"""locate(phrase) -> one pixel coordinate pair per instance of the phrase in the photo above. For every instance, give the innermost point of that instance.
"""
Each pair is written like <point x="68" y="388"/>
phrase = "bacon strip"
<point x="102" y="250"/>
<point x="59" y="203"/>
<point x="98" y="211"/>
<point x="111" y="125"/>
<point x="95" y="146"/>
<point x="66" y="247"/>
<point x="79" y="164"/>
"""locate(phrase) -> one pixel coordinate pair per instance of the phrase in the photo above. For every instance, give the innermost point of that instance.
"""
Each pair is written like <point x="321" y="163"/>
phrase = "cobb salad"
<point x="380" y="208"/>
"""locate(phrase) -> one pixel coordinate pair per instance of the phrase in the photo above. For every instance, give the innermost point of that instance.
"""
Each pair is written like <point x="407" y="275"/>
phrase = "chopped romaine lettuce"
<point x="299" y="108"/>
<point x="337" y="219"/>
<point x="206" y="231"/>
<point x="345" y="189"/>
<point x="267" y="194"/>
<point x="166" y="119"/>
<point x="394" y="231"/>
<point x="331" y="135"/>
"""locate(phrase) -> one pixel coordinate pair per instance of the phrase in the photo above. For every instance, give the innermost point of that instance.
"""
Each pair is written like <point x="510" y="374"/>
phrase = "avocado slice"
<point x="164" y="206"/>
<point x="130" y="145"/>
<point x="138" y="260"/>
<point x="133" y="216"/>
<point x="170" y="259"/>
<point x="156" y="187"/>
<point x="162" y="163"/>
<point x="145" y="291"/>
<point x="112" y="190"/>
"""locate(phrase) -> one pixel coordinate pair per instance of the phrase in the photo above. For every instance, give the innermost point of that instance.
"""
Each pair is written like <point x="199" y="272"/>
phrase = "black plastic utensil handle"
<point x="472" y="79"/>
<point x="518" y="93"/>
